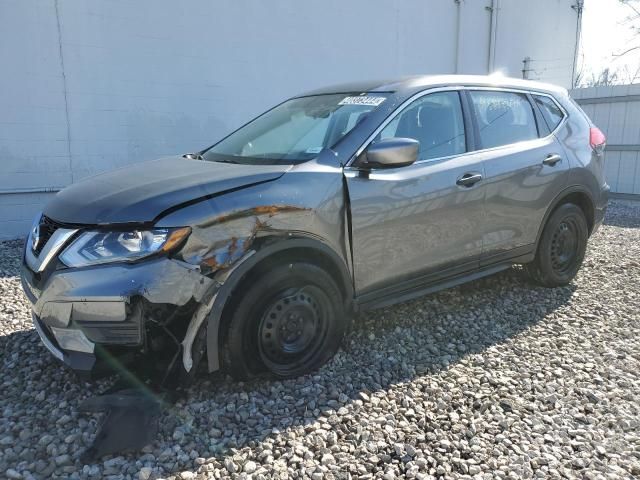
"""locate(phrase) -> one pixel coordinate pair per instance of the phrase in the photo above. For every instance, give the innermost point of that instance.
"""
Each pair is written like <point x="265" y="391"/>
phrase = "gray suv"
<point x="253" y="254"/>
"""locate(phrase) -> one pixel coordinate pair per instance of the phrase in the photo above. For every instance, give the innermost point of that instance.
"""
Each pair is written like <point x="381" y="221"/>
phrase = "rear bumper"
<point x="85" y="316"/>
<point x="600" y="209"/>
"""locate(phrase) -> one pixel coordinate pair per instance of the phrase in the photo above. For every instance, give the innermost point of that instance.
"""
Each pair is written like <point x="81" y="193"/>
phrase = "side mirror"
<point x="391" y="153"/>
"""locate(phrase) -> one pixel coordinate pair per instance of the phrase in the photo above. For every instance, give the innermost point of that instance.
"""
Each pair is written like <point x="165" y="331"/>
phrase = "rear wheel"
<point x="288" y="322"/>
<point x="561" y="248"/>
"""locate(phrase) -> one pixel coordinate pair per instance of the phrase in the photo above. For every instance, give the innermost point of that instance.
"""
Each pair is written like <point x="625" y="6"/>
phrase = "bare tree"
<point x="633" y="22"/>
<point x="616" y="75"/>
<point x="605" y="78"/>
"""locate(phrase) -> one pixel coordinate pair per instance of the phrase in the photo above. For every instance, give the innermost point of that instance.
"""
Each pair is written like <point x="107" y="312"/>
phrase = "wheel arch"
<point x="577" y="195"/>
<point x="272" y="252"/>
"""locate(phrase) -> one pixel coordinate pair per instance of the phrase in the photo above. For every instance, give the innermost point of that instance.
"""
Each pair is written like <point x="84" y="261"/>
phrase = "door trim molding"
<point x="404" y="291"/>
<point x="522" y="254"/>
<point x="420" y="285"/>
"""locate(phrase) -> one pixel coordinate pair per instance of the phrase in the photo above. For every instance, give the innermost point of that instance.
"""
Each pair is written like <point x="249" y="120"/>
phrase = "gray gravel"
<point x="495" y="379"/>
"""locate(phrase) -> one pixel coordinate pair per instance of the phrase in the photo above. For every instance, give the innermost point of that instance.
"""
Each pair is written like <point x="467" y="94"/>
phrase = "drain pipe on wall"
<point x="578" y="7"/>
<point x="458" y="33"/>
<point x="493" y="30"/>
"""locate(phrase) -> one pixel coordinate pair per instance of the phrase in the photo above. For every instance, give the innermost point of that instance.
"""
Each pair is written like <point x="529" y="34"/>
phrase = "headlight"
<point x="93" y="248"/>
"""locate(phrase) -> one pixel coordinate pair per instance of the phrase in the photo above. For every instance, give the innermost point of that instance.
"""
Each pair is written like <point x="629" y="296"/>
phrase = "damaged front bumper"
<point x="81" y="362"/>
<point x="108" y="316"/>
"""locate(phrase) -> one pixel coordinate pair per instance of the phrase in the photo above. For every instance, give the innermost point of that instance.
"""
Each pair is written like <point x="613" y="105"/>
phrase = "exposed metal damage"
<point x="154" y="321"/>
<point x="219" y="245"/>
<point x="192" y="330"/>
<point x="174" y="334"/>
<point x="220" y="242"/>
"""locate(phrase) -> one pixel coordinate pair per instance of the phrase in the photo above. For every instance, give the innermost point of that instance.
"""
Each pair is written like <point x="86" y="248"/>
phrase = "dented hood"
<point x="143" y="191"/>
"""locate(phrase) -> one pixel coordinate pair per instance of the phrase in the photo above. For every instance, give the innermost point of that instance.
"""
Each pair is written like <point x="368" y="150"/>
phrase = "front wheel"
<point x="561" y="248"/>
<point x="288" y="322"/>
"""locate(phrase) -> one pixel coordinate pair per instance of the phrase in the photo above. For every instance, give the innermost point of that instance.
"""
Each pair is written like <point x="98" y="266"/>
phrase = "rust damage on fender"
<point x="172" y="299"/>
<point x="219" y="245"/>
<point x="220" y="242"/>
<point x="226" y="255"/>
<point x="269" y="210"/>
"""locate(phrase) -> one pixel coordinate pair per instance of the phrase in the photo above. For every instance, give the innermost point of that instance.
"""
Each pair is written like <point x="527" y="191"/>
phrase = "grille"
<point x="47" y="228"/>
<point x="113" y="333"/>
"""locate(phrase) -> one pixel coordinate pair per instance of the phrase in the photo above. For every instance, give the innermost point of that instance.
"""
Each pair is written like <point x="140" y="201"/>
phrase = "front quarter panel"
<point x="307" y="201"/>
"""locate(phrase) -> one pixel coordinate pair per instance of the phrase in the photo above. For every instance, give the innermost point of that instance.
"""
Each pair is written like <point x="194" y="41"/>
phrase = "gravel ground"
<point x="495" y="379"/>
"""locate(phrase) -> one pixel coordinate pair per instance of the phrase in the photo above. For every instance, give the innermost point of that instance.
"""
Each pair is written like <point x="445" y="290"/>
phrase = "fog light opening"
<point x="71" y="339"/>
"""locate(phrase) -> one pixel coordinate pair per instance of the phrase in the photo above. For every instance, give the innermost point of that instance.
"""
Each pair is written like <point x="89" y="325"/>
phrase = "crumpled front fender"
<point x="230" y="234"/>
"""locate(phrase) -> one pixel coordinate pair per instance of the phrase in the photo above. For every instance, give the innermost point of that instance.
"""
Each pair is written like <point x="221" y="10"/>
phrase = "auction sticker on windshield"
<point x="372" y="101"/>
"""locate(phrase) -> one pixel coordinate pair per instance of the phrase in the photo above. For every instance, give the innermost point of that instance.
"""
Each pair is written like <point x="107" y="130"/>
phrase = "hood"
<point x="141" y="192"/>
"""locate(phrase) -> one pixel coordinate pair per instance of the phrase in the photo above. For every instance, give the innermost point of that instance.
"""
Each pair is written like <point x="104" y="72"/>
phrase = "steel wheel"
<point x="293" y="327"/>
<point x="287" y="321"/>
<point x="563" y="246"/>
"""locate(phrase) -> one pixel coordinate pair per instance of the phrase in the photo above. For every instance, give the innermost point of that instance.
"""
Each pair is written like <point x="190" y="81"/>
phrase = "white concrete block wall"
<point x="17" y="212"/>
<point x="544" y="31"/>
<point x="92" y="86"/>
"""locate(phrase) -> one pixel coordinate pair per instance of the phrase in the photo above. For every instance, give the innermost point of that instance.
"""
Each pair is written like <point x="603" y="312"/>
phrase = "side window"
<point x="503" y="117"/>
<point x="436" y="121"/>
<point x="551" y="112"/>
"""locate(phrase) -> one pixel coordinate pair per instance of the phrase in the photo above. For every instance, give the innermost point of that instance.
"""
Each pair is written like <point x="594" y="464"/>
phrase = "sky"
<point x="605" y="32"/>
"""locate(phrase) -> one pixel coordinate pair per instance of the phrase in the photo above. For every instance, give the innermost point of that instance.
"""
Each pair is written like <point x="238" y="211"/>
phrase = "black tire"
<point x="288" y="322"/>
<point x="561" y="248"/>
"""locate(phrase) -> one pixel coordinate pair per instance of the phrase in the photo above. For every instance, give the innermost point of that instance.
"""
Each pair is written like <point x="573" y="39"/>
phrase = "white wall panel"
<point x="627" y="173"/>
<point x="612" y="169"/>
<point x="475" y="23"/>
<point x="550" y="48"/>
<point x="616" y="111"/>
<point x="631" y="124"/>
<point x="91" y="86"/>
<point x="616" y="123"/>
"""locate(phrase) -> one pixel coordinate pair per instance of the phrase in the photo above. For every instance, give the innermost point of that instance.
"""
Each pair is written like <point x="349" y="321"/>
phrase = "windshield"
<point x="295" y="131"/>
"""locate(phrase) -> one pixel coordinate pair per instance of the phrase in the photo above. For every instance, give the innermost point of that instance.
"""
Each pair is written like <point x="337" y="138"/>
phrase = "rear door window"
<point x="503" y="117"/>
<point x="551" y="112"/>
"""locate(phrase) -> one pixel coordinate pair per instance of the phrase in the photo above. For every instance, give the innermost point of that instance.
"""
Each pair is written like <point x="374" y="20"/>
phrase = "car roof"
<point x="421" y="82"/>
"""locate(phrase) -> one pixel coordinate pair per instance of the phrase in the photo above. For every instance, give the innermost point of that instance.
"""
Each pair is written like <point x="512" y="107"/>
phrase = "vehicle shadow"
<point x="386" y="348"/>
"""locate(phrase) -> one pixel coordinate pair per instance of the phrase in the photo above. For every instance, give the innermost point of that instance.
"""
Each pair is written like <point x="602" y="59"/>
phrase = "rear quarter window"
<point x="551" y="112"/>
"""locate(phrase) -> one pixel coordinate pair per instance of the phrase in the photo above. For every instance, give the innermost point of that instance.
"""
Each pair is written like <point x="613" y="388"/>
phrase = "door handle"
<point x="468" y="179"/>
<point x="552" y="159"/>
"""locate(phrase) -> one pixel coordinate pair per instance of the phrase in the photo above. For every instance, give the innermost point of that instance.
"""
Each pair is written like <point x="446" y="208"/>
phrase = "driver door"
<point x="420" y="223"/>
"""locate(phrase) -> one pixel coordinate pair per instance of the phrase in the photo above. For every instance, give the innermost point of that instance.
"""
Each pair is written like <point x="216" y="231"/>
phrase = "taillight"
<point x="597" y="139"/>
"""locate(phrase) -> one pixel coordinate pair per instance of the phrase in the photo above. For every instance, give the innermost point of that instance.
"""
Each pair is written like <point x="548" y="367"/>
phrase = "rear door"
<point x="525" y="168"/>
<point x="420" y="221"/>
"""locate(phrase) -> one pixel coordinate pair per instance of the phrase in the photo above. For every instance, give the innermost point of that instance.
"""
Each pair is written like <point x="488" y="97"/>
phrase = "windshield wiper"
<point x="193" y="156"/>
